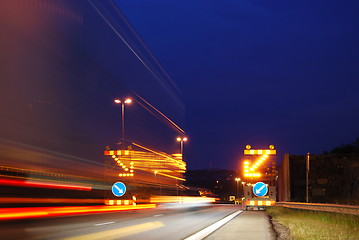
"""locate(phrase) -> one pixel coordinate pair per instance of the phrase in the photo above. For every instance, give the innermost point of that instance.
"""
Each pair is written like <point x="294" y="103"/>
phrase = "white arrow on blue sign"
<point x="260" y="189"/>
<point x="118" y="189"/>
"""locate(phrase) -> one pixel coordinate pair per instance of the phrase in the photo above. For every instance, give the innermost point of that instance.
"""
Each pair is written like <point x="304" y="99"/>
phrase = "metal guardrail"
<point x="337" y="208"/>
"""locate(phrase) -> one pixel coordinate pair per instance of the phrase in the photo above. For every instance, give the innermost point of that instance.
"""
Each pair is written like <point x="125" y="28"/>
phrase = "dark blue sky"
<point x="257" y="72"/>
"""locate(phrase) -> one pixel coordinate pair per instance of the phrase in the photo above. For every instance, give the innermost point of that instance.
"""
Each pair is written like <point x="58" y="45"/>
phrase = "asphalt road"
<point x="160" y="223"/>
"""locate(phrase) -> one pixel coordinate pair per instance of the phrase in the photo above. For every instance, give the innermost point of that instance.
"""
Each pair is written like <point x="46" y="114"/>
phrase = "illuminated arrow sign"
<point x="118" y="189"/>
<point x="260" y="189"/>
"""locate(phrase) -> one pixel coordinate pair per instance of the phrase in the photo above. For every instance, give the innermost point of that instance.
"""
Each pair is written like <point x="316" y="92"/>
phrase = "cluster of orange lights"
<point x="249" y="171"/>
<point x="125" y="174"/>
<point x="250" y="151"/>
<point x="129" y="170"/>
<point x="252" y="174"/>
<point x="166" y="168"/>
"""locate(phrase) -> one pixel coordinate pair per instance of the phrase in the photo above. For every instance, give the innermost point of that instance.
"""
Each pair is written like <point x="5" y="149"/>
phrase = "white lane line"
<point x="158" y="215"/>
<point x="105" y="223"/>
<point x="208" y="230"/>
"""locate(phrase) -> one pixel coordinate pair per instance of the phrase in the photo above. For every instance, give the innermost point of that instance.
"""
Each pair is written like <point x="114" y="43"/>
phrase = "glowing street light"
<point x="181" y="140"/>
<point x="126" y="101"/>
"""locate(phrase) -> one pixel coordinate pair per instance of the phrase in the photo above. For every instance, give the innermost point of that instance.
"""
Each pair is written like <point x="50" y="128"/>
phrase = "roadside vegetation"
<point x="315" y="225"/>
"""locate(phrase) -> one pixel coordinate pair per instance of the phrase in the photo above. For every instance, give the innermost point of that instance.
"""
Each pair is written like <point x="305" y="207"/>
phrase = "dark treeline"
<point x="334" y="175"/>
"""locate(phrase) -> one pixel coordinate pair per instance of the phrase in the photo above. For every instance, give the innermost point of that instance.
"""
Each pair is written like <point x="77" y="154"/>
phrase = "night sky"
<point x="257" y="72"/>
<point x="250" y="72"/>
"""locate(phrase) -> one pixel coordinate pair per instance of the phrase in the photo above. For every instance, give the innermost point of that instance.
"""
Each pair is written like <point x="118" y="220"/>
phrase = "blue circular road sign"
<point x="260" y="189"/>
<point x="118" y="189"/>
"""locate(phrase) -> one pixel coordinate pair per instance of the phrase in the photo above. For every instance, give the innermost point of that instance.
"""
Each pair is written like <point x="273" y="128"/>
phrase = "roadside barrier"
<point x="337" y="208"/>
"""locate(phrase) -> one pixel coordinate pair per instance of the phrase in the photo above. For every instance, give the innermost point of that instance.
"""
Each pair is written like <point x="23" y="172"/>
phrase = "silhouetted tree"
<point x="347" y="149"/>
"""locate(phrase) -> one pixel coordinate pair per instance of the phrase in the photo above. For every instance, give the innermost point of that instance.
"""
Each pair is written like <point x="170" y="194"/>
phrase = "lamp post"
<point x="307" y="164"/>
<point x="237" y="180"/>
<point x="126" y="101"/>
<point x="181" y="140"/>
<point x="243" y="188"/>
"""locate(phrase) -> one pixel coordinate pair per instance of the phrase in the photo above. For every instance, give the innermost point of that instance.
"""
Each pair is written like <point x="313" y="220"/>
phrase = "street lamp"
<point x="237" y="180"/>
<point x="181" y="140"/>
<point x="126" y="101"/>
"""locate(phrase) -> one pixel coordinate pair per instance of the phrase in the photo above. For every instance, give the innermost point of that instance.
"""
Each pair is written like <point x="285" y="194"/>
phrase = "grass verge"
<point x="315" y="225"/>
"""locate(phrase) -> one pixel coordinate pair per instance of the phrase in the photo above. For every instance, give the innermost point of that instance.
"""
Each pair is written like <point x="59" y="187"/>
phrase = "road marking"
<point x="119" y="232"/>
<point x="100" y="224"/>
<point x="210" y="229"/>
<point x="158" y="215"/>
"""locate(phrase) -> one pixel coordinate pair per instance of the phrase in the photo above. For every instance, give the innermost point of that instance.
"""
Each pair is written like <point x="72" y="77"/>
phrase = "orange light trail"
<point x="166" y="175"/>
<point x="161" y="154"/>
<point x="147" y="165"/>
<point x="161" y="114"/>
<point x="38" y="184"/>
<point x="48" y="200"/>
<point x="182" y="199"/>
<point x="38" y="212"/>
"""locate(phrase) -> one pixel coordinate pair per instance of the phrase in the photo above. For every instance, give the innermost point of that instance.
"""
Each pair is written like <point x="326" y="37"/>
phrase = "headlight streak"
<point x="163" y="116"/>
<point x="36" y="212"/>
<point x="42" y="184"/>
<point x="182" y="199"/>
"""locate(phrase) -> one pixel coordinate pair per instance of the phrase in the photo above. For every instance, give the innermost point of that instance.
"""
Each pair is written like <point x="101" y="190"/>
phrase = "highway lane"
<point x="169" y="222"/>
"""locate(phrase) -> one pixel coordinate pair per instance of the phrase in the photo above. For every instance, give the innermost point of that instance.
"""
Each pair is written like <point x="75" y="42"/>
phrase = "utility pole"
<point x="307" y="177"/>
